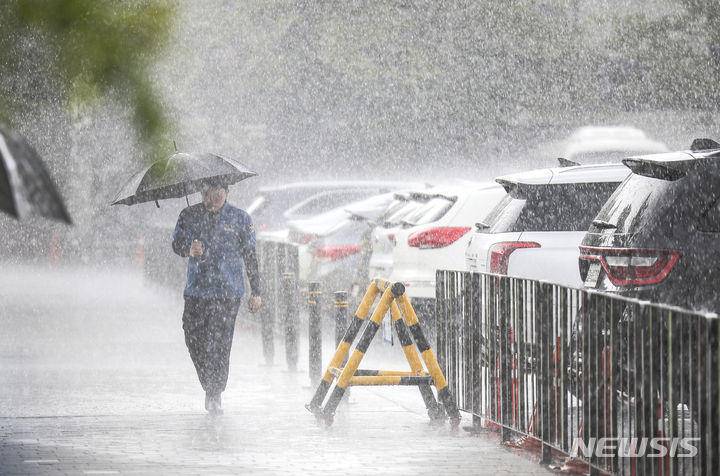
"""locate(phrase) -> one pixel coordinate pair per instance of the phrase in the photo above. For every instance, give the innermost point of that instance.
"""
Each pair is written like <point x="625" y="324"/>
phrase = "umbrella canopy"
<point x="180" y="175"/>
<point x="25" y="185"/>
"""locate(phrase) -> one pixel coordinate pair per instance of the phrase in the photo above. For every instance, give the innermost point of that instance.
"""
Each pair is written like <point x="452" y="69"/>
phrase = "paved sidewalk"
<point x="122" y="398"/>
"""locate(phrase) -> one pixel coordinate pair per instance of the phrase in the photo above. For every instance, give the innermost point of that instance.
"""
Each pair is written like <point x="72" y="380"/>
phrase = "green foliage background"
<point x="360" y="84"/>
<point x="332" y="87"/>
<point x="80" y="50"/>
<point x="301" y="89"/>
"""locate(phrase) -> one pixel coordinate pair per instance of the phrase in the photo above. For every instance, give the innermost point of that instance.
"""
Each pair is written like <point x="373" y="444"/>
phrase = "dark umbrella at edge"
<point x="180" y="175"/>
<point x="25" y="185"/>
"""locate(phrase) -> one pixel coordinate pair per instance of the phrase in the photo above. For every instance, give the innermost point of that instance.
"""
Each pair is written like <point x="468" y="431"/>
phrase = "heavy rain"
<point x="534" y="184"/>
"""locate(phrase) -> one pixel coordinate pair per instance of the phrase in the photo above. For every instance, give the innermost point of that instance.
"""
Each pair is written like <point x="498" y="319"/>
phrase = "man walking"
<point x="218" y="238"/>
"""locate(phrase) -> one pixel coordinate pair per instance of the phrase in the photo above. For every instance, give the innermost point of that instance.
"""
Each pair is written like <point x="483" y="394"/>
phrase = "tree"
<point x="77" y="51"/>
<point x="669" y="60"/>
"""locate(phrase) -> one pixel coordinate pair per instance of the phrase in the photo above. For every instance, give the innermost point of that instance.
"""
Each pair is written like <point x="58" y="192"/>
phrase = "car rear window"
<point x="400" y="213"/>
<point x="626" y="207"/>
<point x="566" y="207"/>
<point x="270" y="205"/>
<point x="431" y="211"/>
<point x="323" y="202"/>
<point x="396" y="205"/>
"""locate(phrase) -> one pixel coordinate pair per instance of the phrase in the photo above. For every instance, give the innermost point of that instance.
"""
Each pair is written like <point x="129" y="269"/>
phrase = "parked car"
<point x="330" y="245"/>
<point x="657" y="238"/>
<point x="535" y="231"/>
<point x="434" y="237"/>
<point x="275" y="205"/>
<point x="383" y="241"/>
<point x="605" y="144"/>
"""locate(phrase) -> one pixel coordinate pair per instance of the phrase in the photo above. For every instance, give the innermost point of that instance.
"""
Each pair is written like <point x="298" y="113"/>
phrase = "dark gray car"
<point x="657" y="238"/>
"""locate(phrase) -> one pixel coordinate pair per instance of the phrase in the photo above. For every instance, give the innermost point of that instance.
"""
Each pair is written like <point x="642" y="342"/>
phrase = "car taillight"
<point x="391" y="237"/>
<point x="436" y="237"/>
<point x="629" y="266"/>
<point x="333" y="253"/>
<point x="500" y="254"/>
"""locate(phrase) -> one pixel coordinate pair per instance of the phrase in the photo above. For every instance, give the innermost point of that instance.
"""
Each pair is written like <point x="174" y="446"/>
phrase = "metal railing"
<point x="624" y="386"/>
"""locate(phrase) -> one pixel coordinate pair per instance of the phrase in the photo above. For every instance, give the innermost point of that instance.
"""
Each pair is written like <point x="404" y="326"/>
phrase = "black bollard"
<point x="314" y="333"/>
<point x="267" y="257"/>
<point x="289" y="295"/>
<point x="341" y="319"/>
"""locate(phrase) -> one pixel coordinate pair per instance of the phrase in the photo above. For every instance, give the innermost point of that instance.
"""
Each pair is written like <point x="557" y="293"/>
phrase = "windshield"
<point x="267" y="209"/>
<point x="325" y="201"/>
<point x="504" y="215"/>
<point x="431" y="211"/>
<point x="626" y="207"/>
<point x="401" y="213"/>
<point x="566" y="207"/>
<point x="370" y="208"/>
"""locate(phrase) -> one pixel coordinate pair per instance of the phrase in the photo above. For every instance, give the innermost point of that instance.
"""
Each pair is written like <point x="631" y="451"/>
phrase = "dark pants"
<point x="209" y="325"/>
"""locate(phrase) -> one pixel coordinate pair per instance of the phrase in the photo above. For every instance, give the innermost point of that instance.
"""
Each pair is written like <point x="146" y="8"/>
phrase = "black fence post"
<point x="464" y="385"/>
<point x="520" y="353"/>
<point x="505" y="359"/>
<point x="492" y="343"/>
<point x="441" y="320"/>
<point x="291" y="320"/>
<point x="475" y="361"/>
<point x="710" y="437"/>
<point x="453" y="336"/>
<point x="593" y="361"/>
<point x="314" y="333"/>
<point x="649" y="385"/>
<point x="546" y="370"/>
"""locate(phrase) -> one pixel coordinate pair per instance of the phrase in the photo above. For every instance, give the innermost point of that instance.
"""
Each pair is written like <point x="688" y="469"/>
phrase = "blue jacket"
<point x="228" y="238"/>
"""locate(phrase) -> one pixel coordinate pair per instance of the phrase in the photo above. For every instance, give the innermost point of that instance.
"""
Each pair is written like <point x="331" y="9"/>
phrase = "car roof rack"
<point x="669" y="171"/>
<point x="703" y="144"/>
<point x="566" y="162"/>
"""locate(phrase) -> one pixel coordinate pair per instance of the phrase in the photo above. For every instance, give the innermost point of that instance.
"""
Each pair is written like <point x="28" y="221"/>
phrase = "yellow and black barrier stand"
<point x="434" y="410"/>
<point x="357" y="355"/>
<point x="407" y="327"/>
<point x="343" y="348"/>
<point x="444" y="395"/>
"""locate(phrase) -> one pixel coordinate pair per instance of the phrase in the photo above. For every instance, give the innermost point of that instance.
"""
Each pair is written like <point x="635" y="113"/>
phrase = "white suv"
<point x="535" y="231"/>
<point x="436" y="233"/>
<point x="382" y="240"/>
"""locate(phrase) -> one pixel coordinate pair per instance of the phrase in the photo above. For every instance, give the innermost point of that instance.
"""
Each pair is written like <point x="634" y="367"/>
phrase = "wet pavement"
<point x="96" y="379"/>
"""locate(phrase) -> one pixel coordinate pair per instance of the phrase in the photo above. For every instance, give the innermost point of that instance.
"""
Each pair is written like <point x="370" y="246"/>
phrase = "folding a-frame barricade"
<point x="405" y="323"/>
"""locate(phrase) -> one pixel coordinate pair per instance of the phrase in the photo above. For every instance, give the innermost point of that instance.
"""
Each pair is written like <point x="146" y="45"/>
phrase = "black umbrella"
<point x="179" y="176"/>
<point x="25" y="185"/>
